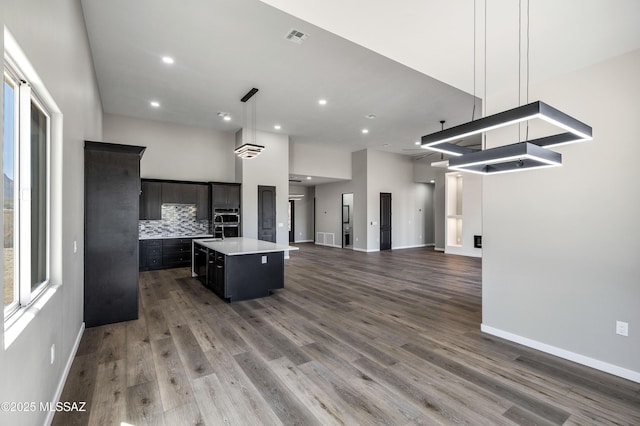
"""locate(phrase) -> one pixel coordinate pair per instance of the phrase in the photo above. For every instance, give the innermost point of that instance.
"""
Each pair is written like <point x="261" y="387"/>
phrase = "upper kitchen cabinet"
<point x="151" y="200"/>
<point x="225" y="195"/>
<point x="178" y="193"/>
<point x="203" y="209"/>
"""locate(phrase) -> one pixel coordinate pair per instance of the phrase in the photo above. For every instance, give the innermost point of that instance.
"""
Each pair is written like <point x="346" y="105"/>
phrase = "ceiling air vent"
<point x="296" y="36"/>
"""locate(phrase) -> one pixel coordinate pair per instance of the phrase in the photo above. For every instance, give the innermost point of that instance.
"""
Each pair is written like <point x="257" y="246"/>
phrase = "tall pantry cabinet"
<point x="111" y="199"/>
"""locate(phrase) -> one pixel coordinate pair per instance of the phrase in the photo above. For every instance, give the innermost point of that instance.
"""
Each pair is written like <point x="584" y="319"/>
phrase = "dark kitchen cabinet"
<point x="211" y="270"/>
<point x="200" y="260"/>
<point x="179" y="193"/>
<point x="219" y="275"/>
<point x="225" y="195"/>
<point x="203" y="206"/>
<point x="150" y="255"/>
<point x="176" y="252"/>
<point x="165" y="253"/>
<point x="111" y="203"/>
<point x="151" y="200"/>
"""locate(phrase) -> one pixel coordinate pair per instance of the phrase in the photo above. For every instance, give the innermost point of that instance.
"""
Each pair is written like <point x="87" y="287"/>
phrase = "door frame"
<point x="390" y="221"/>
<point x="292" y="219"/>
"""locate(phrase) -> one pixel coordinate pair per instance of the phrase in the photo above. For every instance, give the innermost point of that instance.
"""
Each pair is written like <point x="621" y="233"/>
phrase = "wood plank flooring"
<point x="354" y="338"/>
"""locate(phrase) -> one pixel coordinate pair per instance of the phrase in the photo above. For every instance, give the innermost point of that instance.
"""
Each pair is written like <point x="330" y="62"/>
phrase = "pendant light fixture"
<point x="531" y="154"/>
<point x="249" y="150"/>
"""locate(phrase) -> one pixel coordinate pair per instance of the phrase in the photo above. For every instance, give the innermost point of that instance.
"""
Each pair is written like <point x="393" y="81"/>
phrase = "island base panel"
<point x="251" y="276"/>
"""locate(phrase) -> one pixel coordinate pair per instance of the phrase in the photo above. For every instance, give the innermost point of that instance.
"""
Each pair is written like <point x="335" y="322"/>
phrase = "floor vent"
<point x="296" y="36"/>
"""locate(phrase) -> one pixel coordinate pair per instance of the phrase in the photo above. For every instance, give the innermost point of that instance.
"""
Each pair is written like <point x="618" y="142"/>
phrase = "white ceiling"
<point x="224" y="48"/>
<point x="437" y="37"/>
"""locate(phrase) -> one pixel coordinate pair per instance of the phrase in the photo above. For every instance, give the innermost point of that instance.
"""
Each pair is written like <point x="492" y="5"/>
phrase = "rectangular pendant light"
<point x="505" y="159"/>
<point x="577" y="130"/>
<point x="248" y="150"/>
<point x="449" y="148"/>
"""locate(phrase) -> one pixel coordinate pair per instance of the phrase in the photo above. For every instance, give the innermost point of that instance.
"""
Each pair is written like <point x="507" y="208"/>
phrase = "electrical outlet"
<point x="622" y="328"/>
<point x="53" y="353"/>
<point x="264" y="259"/>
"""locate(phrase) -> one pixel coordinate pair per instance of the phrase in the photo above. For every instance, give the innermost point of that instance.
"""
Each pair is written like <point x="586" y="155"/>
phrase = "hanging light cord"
<point x="528" y="2"/>
<point x="253" y="118"/>
<point x="473" y="112"/>
<point x="484" y="137"/>
<point x="519" y="62"/>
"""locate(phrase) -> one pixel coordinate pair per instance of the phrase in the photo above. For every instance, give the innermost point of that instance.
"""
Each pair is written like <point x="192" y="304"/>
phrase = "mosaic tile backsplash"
<point x="178" y="220"/>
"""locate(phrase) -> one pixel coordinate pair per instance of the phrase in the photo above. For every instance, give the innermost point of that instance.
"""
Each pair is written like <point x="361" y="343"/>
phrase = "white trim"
<point x="458" y="251"/>
<point x="366" y="250"/>
<point x="563" y="353"/>
<point x="408" y="247"/>
<point x="65" y="374"/>
<point x="23" y="316"/>
<point x="302" y="241"/>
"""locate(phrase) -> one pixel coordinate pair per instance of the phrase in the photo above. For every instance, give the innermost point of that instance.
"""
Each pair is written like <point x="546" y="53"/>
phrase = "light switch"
<point x="264" y="259"/>
<point x="280" y="225"/>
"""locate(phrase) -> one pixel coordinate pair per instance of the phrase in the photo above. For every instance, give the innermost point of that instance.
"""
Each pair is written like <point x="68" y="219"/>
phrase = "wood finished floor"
<point x="380" y="338"/>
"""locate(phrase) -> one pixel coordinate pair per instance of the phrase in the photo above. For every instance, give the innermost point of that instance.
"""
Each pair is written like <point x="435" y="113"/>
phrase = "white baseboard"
<point x="625" y="373"/>
<point x="65" y="374"/>
<point x="303" y="241"/>
<point x="438" y="248"/>
<point x="408" y="247"/>
<point x="462" y="252"/>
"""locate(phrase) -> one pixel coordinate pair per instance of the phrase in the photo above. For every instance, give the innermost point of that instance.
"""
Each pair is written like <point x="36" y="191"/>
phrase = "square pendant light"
<point x="505" y="159"/>
<point x="248" y="151"/>
<point x="450" y="149"/>
<point x="577" y="130"/>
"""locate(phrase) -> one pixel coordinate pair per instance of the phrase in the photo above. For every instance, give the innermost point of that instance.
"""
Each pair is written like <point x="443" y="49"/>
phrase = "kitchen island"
<point x="239" y="268"/>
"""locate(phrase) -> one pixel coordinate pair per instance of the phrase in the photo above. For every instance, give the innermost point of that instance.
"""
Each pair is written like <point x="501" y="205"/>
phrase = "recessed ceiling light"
<point x="167" y="60"/>
<point x="365" y="131"/>
<point x="417" y="142"/>
<point x="224" y="115"/>
<point x="322" y="101"/>
<point x="308" y="177"/>
<point x="227" y="118"/>
<point x="386" y="144"/>
<point x="277" y="127"/>
<point x="370" y="116"/>
<point x="155" y="104"/>
<point x="432" y="181"/>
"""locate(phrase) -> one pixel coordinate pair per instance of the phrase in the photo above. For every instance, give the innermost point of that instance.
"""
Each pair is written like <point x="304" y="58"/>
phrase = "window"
<point x="26" y="192"/>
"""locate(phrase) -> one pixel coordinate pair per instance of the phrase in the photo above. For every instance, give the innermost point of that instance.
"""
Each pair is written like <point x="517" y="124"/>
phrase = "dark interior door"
<point x="267" y="213"/>
<point x="292" y="221"/>
<point x="385" y="221"/>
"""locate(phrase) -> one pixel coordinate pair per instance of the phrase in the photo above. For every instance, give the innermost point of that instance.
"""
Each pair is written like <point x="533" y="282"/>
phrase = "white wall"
<point x="53" y="36"/>
<point x="471" y="200"/>
<point x="409" y="200"/>
<point x="271" y="168"/>
<point x="175" y="151"/>
<point x="303" y="219"/>
<point x="319" y="160"/>
<point x="328" y="214"/>
<point x="561" y="246"/>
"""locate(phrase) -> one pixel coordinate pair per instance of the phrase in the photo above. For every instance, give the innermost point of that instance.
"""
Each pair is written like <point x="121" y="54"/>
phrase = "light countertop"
<point x="241" y="245"/>
<point x="166" y="237"/>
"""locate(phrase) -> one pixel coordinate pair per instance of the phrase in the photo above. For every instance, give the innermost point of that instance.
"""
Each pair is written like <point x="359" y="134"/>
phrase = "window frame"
<point x="24" y="96"/>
